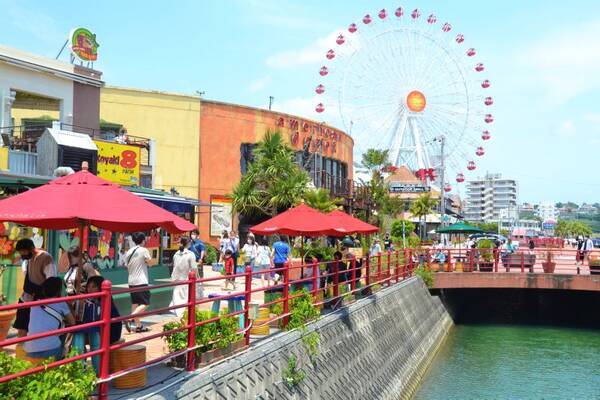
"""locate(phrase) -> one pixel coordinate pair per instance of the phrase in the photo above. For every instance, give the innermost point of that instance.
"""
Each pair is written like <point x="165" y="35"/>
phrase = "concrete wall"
<point x="171" y="120"/>
<point x="377" y="348"/>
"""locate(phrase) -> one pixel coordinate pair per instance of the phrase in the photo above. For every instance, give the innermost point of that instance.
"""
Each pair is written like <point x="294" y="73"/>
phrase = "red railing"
<point x="353" y="275"/>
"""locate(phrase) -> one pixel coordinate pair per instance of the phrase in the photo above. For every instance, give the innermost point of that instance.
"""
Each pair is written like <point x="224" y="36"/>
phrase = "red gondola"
<point x="480" y="151"/>
<point x="460" y="38"/>
<point x="320" y="108"/>
<point x="460" y="177"/>
<point x="471" y="52"/>
<point x="486" y="84"/>
<point x="416" y="13"/>
<point x="330" y="55"/>
<point x="486" y="135"/>
<point x="479" y="67"/>
<point x="471" y="165"/>
<point x="352" y="28"/>
<point x="488" y="101"/>
<point x="432" y="19"/>
<point x="447" y="188"/>
<point x="340" y="40"/>
<point x="320" y="89"/>
<point x="382" y="14"/>
<point x="323" y="71"/>
<point x="446" y="27"/>
<point x="489" y="118"/>
<point x="367" y="19"/>
<point x="399" y="12"/>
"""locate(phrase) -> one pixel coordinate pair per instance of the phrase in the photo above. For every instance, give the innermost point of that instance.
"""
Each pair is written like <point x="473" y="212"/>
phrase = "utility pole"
<point x="442" y="140"/>
<point x="271" y="99"/>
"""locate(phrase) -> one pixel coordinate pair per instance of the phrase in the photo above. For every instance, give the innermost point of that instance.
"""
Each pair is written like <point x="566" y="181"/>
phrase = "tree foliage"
<point x="320" y="199"/>
<point x="273" y="182"/>
<point x="569" y="228"/>
<point x="421" y="208"/>
<point x="396" y="229"/>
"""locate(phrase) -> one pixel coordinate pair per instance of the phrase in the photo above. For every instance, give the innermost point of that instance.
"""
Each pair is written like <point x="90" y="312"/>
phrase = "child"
<point x="46" y="318"/>
<point x="229" y="269"/>
<point x="92" y="313"/>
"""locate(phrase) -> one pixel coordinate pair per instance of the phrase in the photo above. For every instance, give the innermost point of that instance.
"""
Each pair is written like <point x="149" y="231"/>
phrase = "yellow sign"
<point x="4" y="158"/>
<point x="119" y="163"/>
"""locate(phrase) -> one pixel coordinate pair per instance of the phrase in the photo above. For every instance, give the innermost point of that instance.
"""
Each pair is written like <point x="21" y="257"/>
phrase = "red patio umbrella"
<point x="83" y="199"/>
<point x="347" y="224"/>
<point x="301" y="220"/>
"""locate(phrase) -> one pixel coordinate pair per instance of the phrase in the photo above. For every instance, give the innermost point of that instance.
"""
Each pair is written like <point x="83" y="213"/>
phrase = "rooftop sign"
<point x="83" y="44"/>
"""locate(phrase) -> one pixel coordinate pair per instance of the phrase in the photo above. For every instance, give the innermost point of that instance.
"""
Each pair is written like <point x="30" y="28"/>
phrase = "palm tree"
<point x="319" y="199"/>
<point x="421" y="208"/>
<point x="374" y="161"/>
<point x="273" y="182"/>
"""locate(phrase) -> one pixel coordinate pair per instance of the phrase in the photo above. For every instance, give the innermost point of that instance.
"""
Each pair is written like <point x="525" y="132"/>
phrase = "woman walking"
<point x="263" y="262"/>
<point x="250" y="250"/>
<point x="184" y="262"/>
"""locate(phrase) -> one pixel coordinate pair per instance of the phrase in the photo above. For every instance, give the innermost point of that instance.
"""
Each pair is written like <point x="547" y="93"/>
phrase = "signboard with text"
<point x="83" y="44"/>
<point x="407" y="188"/>
<point x="118" y="163"/>
<point x="221" y="216"/>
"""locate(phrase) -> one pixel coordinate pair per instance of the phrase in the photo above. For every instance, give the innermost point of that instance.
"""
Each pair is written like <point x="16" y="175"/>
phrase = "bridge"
<point x="515" y="280"/>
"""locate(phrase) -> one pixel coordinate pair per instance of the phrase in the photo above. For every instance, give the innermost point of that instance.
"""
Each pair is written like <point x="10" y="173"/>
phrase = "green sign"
<point x="84" y="45"/>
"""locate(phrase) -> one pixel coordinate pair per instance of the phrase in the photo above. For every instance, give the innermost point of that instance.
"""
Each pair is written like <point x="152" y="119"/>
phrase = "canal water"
<point x="515" y="362"/>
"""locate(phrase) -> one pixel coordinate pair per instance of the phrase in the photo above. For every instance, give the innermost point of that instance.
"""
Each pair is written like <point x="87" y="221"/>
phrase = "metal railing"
<point x="339" y="278"/>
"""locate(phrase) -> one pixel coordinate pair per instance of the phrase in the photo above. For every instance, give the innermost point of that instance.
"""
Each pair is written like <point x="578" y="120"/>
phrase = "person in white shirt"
<point x="375" y="248"/>
<point x="588" y="247"/>
<point x="136" y="261"/>
<point x="184" y="262"/>
<point x="47" y="318"/>
<point x="76" y="275"/>
<point x="262" y="262"/>
<point x="250" y="250"/>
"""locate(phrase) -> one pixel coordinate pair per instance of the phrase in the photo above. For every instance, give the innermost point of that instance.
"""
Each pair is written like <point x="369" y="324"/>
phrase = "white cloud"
<point x="277" y="14"/>
<point x="259" y="84"/>
<point x="567" y="129"/>
<point x="565" y="63"/>
<point x="35" y="23"/>
<point x="300" y="106"/>
<point x="311" y="54"/>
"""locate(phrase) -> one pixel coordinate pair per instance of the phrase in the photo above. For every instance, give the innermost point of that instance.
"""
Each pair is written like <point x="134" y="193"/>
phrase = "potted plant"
<point x="175" y="342"/>
<point x="486" y="255"/>
<point x="549" y="265"/>
<point x="6" y="317"/>
<point x="594" y="265"/>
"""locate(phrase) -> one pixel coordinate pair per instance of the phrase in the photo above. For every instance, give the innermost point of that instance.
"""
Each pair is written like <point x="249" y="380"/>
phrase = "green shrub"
<point x="292" y="375"/>
<point x="425" y="274"/>
<point x="486" y="250"/>
<point x="302" y="310"/>
<point x="211" y="255"/>
<point x="72" y="381"/>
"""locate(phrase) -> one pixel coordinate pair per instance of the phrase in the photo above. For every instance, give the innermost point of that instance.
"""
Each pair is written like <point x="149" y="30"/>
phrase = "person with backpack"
<point x="76" y="276"/>
<point x="48" y="318"/>
<point x="263" y="262"/>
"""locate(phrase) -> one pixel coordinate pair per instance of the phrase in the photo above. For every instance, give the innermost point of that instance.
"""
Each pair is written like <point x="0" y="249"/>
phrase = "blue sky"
<point x="543" y="57"/>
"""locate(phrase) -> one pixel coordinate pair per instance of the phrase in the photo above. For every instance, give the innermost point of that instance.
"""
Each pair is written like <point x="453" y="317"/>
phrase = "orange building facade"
<point x="228" y="133"/>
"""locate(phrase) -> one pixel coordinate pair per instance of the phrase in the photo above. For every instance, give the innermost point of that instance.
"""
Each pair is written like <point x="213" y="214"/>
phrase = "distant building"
<point x="487" y="197"/>
<point x="547" y="211"/>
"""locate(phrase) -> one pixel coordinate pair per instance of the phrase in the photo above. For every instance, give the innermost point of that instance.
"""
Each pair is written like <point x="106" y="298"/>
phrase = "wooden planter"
<point x="458" y="267"/>
<point x="486" y="266"/>
<point x="6" y="318"/>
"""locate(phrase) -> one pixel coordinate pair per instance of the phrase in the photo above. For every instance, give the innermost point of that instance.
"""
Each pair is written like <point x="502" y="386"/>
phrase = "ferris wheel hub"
<point x="416" y="101"/>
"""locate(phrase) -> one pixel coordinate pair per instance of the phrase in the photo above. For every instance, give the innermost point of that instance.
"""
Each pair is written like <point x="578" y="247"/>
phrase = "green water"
<point x="515" y="362"/>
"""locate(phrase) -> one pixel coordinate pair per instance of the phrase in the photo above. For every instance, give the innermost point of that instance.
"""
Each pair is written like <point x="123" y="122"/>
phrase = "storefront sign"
<point x="83" y="44"/>
<point x="221" y="217"/>
<point x="119" y="163"/>
<point x="318" y="137"/>
<point x="408" y="188"/>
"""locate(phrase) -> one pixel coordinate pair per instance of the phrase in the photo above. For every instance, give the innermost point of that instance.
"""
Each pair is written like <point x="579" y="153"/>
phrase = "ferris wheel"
<point x="411" y="84"/>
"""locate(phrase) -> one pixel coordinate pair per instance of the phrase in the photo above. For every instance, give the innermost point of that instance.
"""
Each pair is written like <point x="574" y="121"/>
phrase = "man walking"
<point x="136" y="260"/>
<point x="199" y="249"/>
<point x="281" y="252"/>
<point x="588" y="247"/>
<point x="38" y="266"/>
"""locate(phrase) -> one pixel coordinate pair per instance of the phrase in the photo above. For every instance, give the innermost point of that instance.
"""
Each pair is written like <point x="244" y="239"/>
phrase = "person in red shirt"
<point x="229" y="270"/>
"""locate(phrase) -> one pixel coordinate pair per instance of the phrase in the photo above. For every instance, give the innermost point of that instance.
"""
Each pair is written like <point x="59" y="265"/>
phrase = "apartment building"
<point x="487" y="197"/>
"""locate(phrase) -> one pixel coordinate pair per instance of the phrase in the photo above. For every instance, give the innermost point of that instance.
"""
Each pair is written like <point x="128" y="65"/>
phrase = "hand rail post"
<point x="397" y="266"/>
<point x="404" y="263"/>
<point x="379" y="268"/>
<point x="353" y="274"/>
<point x="191" y="312"/>
<point x="105" y="307"/>
<point x="286" y="293"/>
<point x="368" y="270"/>
<point x="496" y="260"/>
<point x="410" y="262"/>
<point x="316" y="273"/>
<point x="449" y="261"/>
<point x="336" y="278"/>
<point x="247" y="300"/>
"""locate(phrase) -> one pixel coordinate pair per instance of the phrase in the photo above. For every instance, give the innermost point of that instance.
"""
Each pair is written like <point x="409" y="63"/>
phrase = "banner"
<point x="119" y="163"/>
<point x="220" y="215"/>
